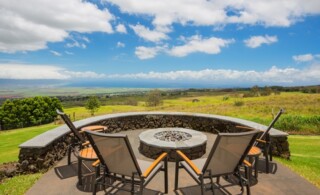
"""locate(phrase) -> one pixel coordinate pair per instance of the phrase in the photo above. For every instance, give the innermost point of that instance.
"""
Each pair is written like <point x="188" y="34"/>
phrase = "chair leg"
<point x="80" y="171"/>
<point x="176" y="178"/>
<point x="256" y="164"/>
<point x="141" y="186"/>
<point x="248" y="189"/>
<point x="201" y="184"/>
<point x="248" y="171"/>
<point x="95" y="187"/>
<point x="69" y="155"/>
<point x="266" y="155"/>
<point x="132" y="184"/>
<point x="166" y="176"/>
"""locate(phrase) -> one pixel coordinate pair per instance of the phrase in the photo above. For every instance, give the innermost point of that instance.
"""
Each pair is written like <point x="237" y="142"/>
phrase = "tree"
<point x="255" y="90"/>
<point x="18" y="113"/>
<point x="93" y="104"/>
<point x="154" y="98"/>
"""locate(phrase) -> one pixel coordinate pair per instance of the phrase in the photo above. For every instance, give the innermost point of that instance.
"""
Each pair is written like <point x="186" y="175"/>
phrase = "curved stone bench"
<point x="43" y="150"/>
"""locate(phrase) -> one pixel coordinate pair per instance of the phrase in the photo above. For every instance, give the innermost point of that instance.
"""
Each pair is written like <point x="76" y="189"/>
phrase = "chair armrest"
<point x="248" y="128"/>
<point x="154" y="164"/>
<point x="261" y="141"/>
<point x="98" y="128"/>
<point x="245" y="162"/>
<point x="87" y="143"/>
<point x="96" y="163"/>
<point x="189" y="162"/>
<point x="243" y="127"/>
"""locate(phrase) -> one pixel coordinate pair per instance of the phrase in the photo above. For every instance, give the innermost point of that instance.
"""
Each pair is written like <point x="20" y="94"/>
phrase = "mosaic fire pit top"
<point x="174" y="138"/>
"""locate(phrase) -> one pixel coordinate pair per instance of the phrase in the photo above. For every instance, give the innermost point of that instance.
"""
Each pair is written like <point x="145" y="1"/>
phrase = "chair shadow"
<point x="67" y="171"/>
<point x="193" y="190"/>
<point x="89" y="177"/>
<point x="88" y="185"/>
<point x="273" y="167"/>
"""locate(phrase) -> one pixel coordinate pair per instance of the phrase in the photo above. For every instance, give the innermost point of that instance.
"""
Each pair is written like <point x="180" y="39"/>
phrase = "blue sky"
<point x="168" y="43"/>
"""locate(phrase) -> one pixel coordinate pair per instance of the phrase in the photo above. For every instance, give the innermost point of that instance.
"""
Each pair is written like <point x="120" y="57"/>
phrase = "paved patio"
<point x="62" y="179"/>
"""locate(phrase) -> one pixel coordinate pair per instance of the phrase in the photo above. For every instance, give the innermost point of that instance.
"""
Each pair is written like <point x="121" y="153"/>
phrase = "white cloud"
<point x="147" y="34"/>
<point x="76" y="44"/>
<point x="86" y="39"/>
<point x="77" y="41"/>
<point x="195" y="43"/>
<point x="203" y="12"/>
<point x="55" y="53"/>
<point x="257" y="41"/>
<point x="69" y="53"/>
<point x="121" y="28"/>
<point x="144" y="53"/>
<point x="119" y="44"/>
<point x="192" y="44"/>
<point x="23" y="71"/>
<point x="222" y="76"/>
<point x="303" y="58"/>
<point x="30" y="25"/>
<point x="274" y="75"/>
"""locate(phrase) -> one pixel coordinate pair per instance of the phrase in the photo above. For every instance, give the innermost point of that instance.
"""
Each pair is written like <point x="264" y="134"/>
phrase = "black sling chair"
<point x="79" y="145"/>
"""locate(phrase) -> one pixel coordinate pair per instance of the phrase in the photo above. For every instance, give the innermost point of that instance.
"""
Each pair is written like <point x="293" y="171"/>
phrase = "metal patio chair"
<point x="79" y="146"/>
<point x="118" y="162"/>
<point x="262" y="145"/>
<point x="225" y="159"/>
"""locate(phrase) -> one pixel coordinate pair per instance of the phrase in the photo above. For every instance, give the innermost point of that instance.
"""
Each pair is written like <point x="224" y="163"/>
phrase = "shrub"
<point x="238" y="103"/>
<point x="93" y="105"/>
<point x="154" y="98"/>
<point x="248" y="94"/>
<point x="19" y="113"/>
<point x="131" y="102"/>
<point x="225" y="98"/>
<point x="299" y="124"/>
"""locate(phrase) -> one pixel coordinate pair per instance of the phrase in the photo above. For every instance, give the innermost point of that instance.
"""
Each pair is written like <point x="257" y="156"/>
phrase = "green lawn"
<point x="305" y="157"/>
<point x="10" y="140"/>
<point x="18" y="185"/>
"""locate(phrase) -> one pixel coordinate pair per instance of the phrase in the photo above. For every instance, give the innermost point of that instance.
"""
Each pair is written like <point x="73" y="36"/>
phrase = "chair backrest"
<point x="229" y="151"/>
<point x="71" y="126"/>
<point x="115" y="152"/>
<point x="271" y="124"/>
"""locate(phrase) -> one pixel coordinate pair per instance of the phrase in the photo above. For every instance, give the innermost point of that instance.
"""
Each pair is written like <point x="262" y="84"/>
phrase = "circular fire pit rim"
<point x="146" y="137"/>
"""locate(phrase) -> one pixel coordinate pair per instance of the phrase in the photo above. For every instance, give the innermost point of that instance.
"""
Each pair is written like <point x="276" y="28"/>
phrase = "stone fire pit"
<point x="153" y="142"/>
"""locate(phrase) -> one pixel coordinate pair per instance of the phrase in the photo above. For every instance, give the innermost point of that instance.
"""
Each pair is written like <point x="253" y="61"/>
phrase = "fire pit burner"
<point x="153" y="142"/>
<point x="172" y="136"/>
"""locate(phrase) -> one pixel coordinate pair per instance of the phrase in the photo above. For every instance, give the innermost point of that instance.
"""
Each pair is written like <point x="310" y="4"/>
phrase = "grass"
<point x="301" y="116"/>
<point x="19" y="184"/>
<point x="305" y="157"/>
<point x="10" y="140"/>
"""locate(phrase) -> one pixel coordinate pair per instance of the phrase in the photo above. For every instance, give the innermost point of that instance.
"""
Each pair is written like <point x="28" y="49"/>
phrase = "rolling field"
<point x="302" y="113"/>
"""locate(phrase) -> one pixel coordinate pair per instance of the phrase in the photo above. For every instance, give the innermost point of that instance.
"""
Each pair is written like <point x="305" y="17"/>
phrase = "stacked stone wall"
<point x="35" y="159"/>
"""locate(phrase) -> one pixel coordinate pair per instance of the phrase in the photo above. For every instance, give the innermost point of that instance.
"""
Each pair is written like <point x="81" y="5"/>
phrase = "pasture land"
<point x="302" y="113"/>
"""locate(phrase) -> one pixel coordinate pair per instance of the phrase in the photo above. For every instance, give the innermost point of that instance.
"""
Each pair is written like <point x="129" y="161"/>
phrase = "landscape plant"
<point x="19" y="113"/>
<point x="154" y="98"/>
<point x="93" y="104"/>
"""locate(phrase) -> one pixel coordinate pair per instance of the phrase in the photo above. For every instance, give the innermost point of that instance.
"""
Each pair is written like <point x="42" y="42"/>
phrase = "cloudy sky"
<point x="167" y="43"/>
